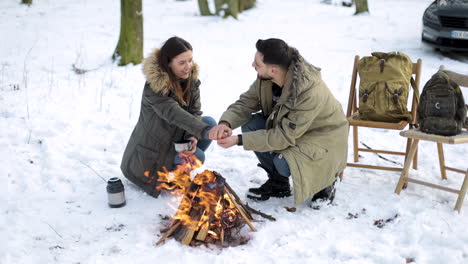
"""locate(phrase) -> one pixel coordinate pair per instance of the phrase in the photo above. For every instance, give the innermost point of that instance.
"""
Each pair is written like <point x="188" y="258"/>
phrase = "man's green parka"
<point x="307" y="126"/>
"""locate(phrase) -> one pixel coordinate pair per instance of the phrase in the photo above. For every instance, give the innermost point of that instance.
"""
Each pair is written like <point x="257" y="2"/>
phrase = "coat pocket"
<point x="142" y="160"/>
<point x="313" y="151"/>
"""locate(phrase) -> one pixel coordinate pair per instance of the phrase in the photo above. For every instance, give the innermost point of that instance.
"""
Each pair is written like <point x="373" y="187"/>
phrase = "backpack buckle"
<point x="365" y="96"/>
<point x="395" y="97"/>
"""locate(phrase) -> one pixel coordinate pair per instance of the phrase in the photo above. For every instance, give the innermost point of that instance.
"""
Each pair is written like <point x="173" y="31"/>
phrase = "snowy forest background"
<point x="62" y="135"/>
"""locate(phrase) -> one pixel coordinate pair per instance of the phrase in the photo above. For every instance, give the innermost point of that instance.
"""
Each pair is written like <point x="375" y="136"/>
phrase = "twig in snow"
<point x="53" y="229"/>
<point x="380" y="156"/>
<point x="92" y="170"/>
<point x="253" y="211"/>
<point x="25" y="77"/>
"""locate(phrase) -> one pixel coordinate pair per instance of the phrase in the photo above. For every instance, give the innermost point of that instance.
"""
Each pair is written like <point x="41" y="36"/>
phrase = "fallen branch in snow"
<point x="53" y="229"/>
<point x="382" y="157"/>
<point x="92" y="170"/>
<point x="253" y="211"/>
<point x="80" y="71"/>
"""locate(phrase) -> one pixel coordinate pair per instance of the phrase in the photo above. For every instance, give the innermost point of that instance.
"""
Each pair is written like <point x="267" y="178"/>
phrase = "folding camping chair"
<point x="416" y="136"/>
<point x="355" y="121"/>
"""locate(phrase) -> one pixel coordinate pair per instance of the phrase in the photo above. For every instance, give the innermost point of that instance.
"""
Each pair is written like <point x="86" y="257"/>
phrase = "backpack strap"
<point x="416" y="89"/>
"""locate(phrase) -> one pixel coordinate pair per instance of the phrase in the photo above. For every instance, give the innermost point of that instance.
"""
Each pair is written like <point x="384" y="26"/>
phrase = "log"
<point x="203" y="231"/>
<point x="241" y="211"/>
<point x="238" y="200"/>
<point x="186" y="232"/>
<point x="253" y="211"/>
<point x="168" y="233"/>
<point x="221" y="236"/>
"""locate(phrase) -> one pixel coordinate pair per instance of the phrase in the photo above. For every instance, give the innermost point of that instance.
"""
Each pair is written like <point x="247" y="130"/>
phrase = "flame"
<point x="178" y="180"/>
<point x="203" y="195"/>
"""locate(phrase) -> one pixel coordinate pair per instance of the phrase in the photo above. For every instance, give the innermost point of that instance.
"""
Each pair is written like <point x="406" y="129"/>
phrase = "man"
<point x="292" y="122"/>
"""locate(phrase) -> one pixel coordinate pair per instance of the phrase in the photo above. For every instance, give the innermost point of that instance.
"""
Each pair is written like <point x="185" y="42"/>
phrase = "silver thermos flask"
<point x="115" y="193"/>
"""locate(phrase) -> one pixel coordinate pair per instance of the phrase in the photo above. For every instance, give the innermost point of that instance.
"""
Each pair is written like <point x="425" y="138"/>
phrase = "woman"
<point x="170" y="112"/>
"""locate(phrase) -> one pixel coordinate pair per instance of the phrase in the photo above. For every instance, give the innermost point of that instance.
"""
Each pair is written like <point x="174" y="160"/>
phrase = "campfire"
<point x="210" y="212"/>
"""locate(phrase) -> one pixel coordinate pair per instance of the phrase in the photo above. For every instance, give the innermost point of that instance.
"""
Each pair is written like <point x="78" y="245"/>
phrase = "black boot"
<point x="276" y="186"/>
<point x="327" y="194"/>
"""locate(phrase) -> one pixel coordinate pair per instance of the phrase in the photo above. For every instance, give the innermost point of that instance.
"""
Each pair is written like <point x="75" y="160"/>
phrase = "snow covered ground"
<point x="62" y="136"/>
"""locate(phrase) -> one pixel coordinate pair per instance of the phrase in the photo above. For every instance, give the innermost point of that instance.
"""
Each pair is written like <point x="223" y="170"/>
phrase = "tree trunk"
<point x="204" y="8"/>
<point x="218" y="4"/>
<point x="130" y="45"/>
<point x="361" y="6"/>
<point x="246" y="4"/>
<point x="233" y="9"/>
<point x="26" y="2"/>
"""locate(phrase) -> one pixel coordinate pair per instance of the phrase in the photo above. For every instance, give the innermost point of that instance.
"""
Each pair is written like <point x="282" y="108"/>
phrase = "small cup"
<point x="181" y="146"/>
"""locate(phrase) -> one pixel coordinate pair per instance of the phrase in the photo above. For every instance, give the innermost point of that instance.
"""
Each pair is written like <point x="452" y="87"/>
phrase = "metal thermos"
<point x="115" y="193"/>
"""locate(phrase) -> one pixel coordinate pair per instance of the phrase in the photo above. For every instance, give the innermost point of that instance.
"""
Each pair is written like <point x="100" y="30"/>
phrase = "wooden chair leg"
<point x="461" y="195"/>
<point x="355" y="144"/>
<point x="440" y="150"/>
<point x="409" y="159"/>
<point x="415" y="159"/>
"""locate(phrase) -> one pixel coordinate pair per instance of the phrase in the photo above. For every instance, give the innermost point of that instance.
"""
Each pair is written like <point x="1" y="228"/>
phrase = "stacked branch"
<point x="210" y="212"/>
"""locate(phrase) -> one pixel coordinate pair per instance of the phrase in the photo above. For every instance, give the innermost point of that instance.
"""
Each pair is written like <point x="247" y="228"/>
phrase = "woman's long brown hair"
<point x="170" y="49"/>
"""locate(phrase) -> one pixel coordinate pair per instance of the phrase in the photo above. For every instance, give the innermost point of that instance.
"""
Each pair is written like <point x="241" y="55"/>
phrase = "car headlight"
<point x="430" y="16"/>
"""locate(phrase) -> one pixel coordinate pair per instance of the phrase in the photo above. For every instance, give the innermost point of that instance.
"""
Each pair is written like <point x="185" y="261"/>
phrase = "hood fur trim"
<point x="159" y="80"/>
<point x="300" y="74"/>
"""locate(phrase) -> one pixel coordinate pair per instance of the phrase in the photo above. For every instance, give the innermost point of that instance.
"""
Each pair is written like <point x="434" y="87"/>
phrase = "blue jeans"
<point x="269" y="160"/>
<point x="202" y="144"/>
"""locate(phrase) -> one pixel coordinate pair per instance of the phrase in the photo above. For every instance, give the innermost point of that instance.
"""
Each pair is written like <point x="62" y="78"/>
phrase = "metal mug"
<point x="181" y="146"/>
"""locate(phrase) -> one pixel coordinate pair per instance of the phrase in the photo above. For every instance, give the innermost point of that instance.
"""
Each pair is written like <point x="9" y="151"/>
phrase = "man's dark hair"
<point x="275" y="51"/>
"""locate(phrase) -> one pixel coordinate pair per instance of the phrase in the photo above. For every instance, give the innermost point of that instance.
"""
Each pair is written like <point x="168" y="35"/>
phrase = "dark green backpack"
<point x="441" y="108"/>
<point x="384" y="86"/>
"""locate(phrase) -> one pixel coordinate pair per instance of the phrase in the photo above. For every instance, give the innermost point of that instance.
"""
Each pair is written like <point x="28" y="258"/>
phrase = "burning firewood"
<point x="209" y="212"/>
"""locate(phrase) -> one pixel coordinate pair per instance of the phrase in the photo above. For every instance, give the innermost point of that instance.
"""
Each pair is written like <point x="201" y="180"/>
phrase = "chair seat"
<point x="354" y="120"/>
<point x="417" y="134"/>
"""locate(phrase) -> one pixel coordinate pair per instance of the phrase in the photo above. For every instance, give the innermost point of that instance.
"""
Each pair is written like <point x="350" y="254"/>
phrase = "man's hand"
<point x="220" y="131"/>
<point x="228" y="142"/>
<point x="194" y="142"/>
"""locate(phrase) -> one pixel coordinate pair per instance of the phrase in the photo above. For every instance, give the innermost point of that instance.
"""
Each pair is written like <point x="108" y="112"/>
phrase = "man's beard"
<point x="263" y="78"/>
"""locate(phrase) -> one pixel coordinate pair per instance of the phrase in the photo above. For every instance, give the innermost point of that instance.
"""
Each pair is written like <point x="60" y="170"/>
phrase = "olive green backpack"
<point x="384" y="87"/>
<point x="441" y="110"/>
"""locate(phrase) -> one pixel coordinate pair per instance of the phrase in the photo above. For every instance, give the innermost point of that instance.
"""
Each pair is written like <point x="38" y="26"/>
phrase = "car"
<point x="445" y="25"/>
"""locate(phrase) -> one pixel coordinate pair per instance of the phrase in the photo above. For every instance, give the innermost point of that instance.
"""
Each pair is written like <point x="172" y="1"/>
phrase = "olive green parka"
<point x="307" y="126"/>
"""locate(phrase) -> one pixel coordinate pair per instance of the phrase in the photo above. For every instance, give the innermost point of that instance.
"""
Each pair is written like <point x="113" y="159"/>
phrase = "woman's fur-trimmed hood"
<point x="159" y="80"/>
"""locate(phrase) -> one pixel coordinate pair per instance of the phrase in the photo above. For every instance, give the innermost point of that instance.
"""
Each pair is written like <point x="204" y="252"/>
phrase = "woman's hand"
<point x="220" y="131"/>
<point x="194" y="142"/>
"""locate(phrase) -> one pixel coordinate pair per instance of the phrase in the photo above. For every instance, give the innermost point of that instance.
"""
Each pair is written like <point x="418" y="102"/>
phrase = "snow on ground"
<point x="62" y="136"/>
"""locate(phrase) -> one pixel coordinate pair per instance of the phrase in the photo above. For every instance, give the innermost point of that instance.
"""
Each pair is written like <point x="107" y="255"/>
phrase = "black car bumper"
<point x="442" y="39"/>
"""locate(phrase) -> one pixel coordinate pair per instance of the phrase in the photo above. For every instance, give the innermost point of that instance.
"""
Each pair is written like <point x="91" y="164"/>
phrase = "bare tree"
<point x="246" y="4"/>
<point x="130" y="45"/>
<point x="361" y="6"/>
<point x="204" y="8"/>
<point x="225" y="8"/>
